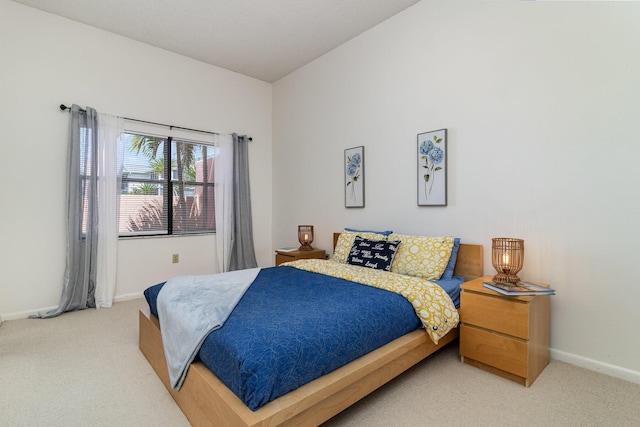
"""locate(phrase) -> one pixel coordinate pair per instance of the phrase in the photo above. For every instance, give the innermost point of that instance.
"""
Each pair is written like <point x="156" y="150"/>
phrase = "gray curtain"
<point x="82" y="237"/>
<point x="242" y="250"/>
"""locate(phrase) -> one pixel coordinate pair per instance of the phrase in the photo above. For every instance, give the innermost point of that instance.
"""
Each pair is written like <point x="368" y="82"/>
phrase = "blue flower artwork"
<point x="354" y="177"/>
<point x="432" y="175"/>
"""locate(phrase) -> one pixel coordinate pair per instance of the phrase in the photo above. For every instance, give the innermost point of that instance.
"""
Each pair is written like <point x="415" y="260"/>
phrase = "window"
<point x="160" y="197"/>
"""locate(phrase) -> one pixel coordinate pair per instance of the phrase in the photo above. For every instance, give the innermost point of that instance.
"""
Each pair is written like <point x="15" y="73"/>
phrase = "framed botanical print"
<point x="432" y="168"/>
<point x="354" y="177"/>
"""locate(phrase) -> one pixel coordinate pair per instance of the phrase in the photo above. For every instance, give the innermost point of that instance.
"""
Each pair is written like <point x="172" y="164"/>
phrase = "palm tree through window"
<point x="167" y="186"/>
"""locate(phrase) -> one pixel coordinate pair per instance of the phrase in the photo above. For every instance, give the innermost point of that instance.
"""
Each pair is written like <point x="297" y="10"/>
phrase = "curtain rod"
<point x="64" y="107"/>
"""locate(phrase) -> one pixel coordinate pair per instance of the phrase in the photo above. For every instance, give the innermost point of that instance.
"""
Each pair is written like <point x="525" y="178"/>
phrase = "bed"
<point x="206" y="400"/>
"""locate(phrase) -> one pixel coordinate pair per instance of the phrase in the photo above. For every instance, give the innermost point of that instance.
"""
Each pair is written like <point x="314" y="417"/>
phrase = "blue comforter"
<point x="190" y="308"/>
<point x="293" y="326"/>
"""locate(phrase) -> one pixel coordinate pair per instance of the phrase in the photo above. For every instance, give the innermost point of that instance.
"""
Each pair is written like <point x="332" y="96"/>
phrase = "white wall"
<point x="541" y="101"/>
<point x="48" y="60"/>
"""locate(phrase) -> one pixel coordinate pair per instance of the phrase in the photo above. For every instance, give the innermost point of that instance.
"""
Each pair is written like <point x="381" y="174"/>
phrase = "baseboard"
<point x="596" y="366"/>
<point x="26" y="314"/>
<point x="127" y="297"/>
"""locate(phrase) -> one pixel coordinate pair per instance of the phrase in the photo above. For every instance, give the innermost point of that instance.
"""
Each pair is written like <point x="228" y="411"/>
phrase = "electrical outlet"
<point x="175" y="258"/>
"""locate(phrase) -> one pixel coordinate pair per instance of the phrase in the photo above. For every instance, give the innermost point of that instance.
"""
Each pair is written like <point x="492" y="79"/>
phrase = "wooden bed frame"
<point x="206" y="401"/>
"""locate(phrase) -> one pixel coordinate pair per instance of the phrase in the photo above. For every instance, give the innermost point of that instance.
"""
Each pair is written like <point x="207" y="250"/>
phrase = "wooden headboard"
<point x="469" y="264"/>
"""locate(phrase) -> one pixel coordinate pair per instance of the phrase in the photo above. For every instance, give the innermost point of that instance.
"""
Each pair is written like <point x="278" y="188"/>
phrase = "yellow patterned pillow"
<point x="345" y="241"/>
<point x="422" y="256"/>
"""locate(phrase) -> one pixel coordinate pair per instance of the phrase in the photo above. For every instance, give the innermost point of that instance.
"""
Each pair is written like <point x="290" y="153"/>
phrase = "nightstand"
<point x="508" y="336"/>
<point x="286" y="256"/>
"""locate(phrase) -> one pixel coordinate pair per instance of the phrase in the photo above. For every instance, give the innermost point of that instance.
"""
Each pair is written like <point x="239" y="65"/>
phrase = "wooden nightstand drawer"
<point x="281" y="258"/>
<point x="287" y="256"/>
<point x="497" y="314"/>
<point x="508" y="336"/>
<point x="504" y="353"/>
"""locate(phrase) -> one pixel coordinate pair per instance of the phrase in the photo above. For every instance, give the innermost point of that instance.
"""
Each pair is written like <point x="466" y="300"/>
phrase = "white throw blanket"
<point x="190" y="307"/>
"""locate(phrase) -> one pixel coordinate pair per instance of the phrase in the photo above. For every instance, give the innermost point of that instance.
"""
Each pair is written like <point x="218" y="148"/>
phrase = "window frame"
<point x="169" y="182"/>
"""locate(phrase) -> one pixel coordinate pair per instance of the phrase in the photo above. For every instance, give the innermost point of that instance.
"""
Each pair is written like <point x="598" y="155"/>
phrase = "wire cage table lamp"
<point x="305" y="237"/>
<point x="507" y="257"/>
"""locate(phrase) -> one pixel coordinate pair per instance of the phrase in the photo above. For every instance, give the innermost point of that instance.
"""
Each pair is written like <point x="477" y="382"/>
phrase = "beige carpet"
<point x="85" y="369"/>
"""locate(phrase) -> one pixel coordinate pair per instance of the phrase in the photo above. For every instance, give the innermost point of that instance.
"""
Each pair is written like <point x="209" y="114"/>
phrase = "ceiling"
<point x="264" y="39"/>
